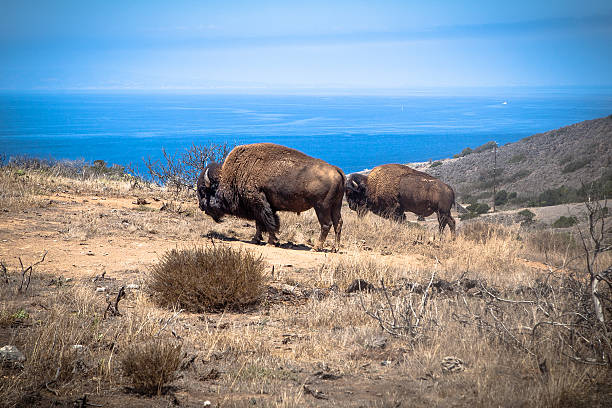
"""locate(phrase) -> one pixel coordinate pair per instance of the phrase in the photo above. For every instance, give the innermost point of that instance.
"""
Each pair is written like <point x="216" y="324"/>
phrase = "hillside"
<point x="568" y="156"/>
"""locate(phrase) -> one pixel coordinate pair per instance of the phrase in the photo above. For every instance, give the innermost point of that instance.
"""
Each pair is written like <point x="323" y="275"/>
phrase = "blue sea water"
<point x="352" y="132"/>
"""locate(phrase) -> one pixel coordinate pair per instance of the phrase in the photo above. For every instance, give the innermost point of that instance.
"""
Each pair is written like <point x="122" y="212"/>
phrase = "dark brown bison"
<point x="257" y="180"/>
<point x="391" y="189"/>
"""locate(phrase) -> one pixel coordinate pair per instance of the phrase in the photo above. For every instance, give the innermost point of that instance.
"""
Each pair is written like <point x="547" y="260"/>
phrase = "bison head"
<point x="208" y="185"/>
<point x="356" y="193"/>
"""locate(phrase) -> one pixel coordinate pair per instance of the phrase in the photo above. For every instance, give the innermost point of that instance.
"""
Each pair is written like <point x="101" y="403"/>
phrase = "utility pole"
<point x="494" y="174"/>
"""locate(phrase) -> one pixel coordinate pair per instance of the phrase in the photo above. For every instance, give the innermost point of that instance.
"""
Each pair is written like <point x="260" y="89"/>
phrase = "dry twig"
<point x="113" y="308"/>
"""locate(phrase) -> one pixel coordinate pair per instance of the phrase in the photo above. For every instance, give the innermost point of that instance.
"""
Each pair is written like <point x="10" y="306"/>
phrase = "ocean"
<point x="352" y="132"/>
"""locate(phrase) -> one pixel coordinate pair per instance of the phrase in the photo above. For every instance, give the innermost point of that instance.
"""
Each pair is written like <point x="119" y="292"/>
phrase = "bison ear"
<point x="206" y="179"/>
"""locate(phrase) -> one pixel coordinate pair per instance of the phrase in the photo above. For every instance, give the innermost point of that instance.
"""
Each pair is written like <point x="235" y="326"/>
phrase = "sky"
<point x="267" y="46"/>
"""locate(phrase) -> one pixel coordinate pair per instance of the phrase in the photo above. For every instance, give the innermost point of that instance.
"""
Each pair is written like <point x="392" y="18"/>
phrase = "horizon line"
<point x="314" y="90"/>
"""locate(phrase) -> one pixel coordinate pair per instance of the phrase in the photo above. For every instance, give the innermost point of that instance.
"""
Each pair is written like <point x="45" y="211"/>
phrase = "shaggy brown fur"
<point x="258" y="180"/>
<point x="391" y="189"/>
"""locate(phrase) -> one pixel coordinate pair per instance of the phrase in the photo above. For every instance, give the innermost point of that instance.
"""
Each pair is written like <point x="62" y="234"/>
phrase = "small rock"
<point x="385" y="363"/>
<point x="78" y="347"/>
<point x="452" y="364"/>
<point x="206" y="403"/>
<point x="101" y="289"/>
<point x="11" y="354"/>
<point x="288" y="289"/>
<point x="133" y="286"/>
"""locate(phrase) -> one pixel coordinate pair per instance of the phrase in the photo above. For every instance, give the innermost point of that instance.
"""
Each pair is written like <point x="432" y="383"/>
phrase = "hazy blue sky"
<point x="263" y="45"/>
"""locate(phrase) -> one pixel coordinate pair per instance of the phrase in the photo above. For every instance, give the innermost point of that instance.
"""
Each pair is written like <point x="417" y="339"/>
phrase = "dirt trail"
<point x="30" y="233"/>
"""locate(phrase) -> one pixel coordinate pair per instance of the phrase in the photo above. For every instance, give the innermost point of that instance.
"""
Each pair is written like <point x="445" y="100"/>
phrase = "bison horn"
<point x="206" y="179"/>
<point x="354" y="184"/>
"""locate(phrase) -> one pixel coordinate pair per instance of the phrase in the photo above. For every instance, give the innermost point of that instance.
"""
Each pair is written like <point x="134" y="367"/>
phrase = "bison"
<point x="391" y="189"/>
<point x="257" y="180"/>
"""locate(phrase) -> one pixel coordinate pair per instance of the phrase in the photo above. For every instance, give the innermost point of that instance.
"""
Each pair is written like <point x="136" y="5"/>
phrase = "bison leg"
<point x="398" y="215"/>
<point x="325" y="219"/>
<point x="258" y="237"/>
<point x="337" y="221"/>
<point x="265" y="218"/>
<point x="272" y="240"/>
<point x="444" y="219"/>
<point x="451" y="225"/>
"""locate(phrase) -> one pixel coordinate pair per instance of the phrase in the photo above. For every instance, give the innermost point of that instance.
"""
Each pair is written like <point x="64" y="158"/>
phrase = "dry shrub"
<point x="548" y="242"/>
<point x="151" y="366"/>
<point x="482" y="232"/>
<point x="212" y="278"/>
<point x="53" y="362"/>
<point x="68" y="345"/>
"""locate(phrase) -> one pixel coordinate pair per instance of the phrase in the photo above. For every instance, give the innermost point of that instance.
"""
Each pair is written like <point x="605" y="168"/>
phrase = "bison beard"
<point x="256" y="181"/>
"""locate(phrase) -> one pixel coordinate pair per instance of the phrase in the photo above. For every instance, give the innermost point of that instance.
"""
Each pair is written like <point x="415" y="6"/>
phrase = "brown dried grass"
<point x="151" y="366"/>
<point x="205" y="279"/>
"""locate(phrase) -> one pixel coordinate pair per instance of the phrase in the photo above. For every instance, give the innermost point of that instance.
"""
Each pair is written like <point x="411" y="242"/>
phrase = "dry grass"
<point x="151" y="366"/>
<point x="296" y="339"/>
<point x="70" y="348"/>
<point x="205" y="279"/>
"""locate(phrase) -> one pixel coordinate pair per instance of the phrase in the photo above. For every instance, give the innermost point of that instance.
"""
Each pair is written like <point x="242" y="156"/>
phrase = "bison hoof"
<point x="256" y="241"/>
<point x="273" y="243"/>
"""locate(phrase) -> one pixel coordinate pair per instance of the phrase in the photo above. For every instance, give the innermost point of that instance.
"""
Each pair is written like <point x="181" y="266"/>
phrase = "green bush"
<point x="207" y="279"/>
<point x="463" y="153"/>
<point x="575" y="165"/>
<point x="436" y="164"/>
<point x="151" y="366"/>
<point x="526" y="216"/>
<point x="469" y="199"/>
<point x="487" y="146"/>
<point x="517" y="158"/>
<point x="501" y="197"/>
<point x="556" y="196"/>
<point x="478" y="208"/>
<point x="565" y="222"/>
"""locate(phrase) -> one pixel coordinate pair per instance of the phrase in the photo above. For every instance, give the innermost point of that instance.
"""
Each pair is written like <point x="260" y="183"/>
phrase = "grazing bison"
<point x="257" y="180"/>
<point x="391" y="189"/>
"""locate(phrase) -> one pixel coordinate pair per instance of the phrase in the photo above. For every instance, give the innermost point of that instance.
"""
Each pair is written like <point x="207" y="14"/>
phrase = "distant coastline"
<point x="352" y="132"/>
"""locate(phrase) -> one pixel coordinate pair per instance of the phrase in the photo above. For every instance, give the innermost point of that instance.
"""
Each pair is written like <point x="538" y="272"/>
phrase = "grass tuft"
<point x="151" y="366"/>
<point x="205" y="279"/>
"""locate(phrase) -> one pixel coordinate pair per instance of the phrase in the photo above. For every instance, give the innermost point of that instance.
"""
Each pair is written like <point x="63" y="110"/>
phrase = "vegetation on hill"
<point x="537" y="170"/>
